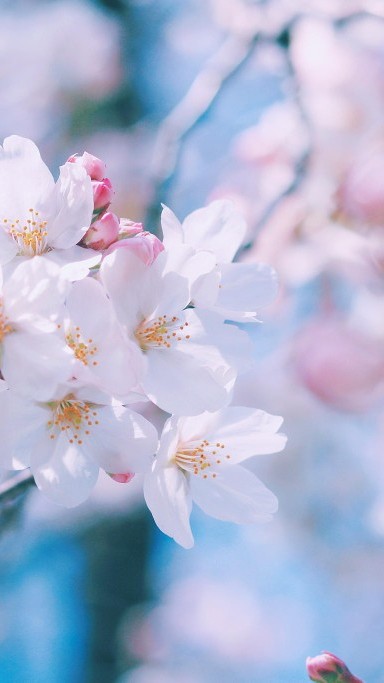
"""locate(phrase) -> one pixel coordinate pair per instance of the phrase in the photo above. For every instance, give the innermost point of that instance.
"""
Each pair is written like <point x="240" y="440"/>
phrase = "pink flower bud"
<point x="144" y="244"/>
<point x="102" y="232"/>
<point x="327" y="668"/>
<point x="94" y="166"/>
<point x="122" y="478"/>
<point x="129" y="228"/>
<point x="102" y="193"/>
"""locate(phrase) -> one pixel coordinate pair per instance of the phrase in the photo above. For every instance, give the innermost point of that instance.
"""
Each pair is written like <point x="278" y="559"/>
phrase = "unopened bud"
<point x="327" y="668"/>
<point x="129" y="228"/>
<point x="122" y="478"/>
<point x="102" y="193"/>
<point x="144" y="244"/>
<point x="103" y="232"/>
<point x="93" y="166"/>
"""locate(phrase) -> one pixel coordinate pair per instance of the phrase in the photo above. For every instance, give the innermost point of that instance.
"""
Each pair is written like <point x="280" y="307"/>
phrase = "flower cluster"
<point x="98" y="315"/>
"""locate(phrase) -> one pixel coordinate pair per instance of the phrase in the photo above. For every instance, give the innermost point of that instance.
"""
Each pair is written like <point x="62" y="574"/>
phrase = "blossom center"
<point x="83" y="350"/>
<point x="5" y="327"/>
<point x="202" y="457"/>
<point x="161" y="332"/>
<point x="75" y="418"/>
<point x="30" y="234"/>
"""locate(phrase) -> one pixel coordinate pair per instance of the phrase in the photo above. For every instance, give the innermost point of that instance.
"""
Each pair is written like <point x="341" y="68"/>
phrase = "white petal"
<point x="235" y="495"/>
<point x="196" y="267"/>
<point x="22" y="423"/>
<point x="244" y="432"/>
<point x="117" y="364"/>
<point x="75" y="262"/>
<point x="25" y="181"/>
<point x="123" y="441"/>
<point x="34" y="364"/>
<point x="74" y="207"/>
<point x="219" y="228"/>
<point x="206" y="289"/>
<point x="34" y="294"/>
<point x="168" y="497"/>
<point x="140" y="292"/>
<point x="90" y="309"/>
<point x="221" y="344"/>
<point x="244" y="289"/>
<point x="171" y="227"/>
<point x="180" y="384"/>
<point x="122" y="274"/>
<point x="8" y="247"/>
<point x="63" y="472"/>
<point x="168" y="441"/>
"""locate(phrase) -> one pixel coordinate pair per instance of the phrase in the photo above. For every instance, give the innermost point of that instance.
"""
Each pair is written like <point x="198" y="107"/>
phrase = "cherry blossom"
<point x="198" y="460"/>
<point x="191" y="360"/>
<point x="40" y="217"/>
<point x="33" y="358"/>
<point x="235" y="290"/>
<point x="66" y="440"/>
<point x="102" y="356"/>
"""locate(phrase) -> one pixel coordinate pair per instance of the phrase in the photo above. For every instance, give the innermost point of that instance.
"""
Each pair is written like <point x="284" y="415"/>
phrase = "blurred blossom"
<point x="342" y="366"/>
<point x="66" y="50"/>
<point x="278" y="136"/>
<point x="361" y="194"/>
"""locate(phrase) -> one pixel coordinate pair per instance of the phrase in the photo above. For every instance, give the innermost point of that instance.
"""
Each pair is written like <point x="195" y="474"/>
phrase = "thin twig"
<point x="19" y="483"/>
<point x="302" y="164"/>
<point x="199" y="98"/>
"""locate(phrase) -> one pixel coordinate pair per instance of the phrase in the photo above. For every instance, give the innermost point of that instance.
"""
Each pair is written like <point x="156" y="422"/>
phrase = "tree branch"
<point x="12" y="487"/>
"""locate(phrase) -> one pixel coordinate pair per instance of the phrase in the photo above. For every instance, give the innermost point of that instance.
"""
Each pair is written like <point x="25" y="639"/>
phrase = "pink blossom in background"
<point x="361" y="193"/>
<point x="340" y="365"/>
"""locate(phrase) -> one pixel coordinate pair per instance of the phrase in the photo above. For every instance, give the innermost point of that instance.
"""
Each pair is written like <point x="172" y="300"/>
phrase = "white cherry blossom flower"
<point x="211" y="237"/>
<point x="33" y="358"/>
<point x="198" y="460"/>
<point x="102" y="355"/>
<point x="39" y="217"/>
<point x="191" y="360"/>
<point x="66" y="440"/>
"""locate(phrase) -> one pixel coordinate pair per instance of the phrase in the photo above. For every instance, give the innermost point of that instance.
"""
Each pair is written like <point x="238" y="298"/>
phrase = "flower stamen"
<point x="30" y="235"/>
<point x="73" y="417"/>
<point x="161" y="332"/>
<point x="5" y="327"/>
<point x="84" y="351"/>
<point x="198" y="457"/>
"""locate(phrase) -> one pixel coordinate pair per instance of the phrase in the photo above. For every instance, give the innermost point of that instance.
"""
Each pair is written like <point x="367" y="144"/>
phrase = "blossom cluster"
<point x="98" y="317"/>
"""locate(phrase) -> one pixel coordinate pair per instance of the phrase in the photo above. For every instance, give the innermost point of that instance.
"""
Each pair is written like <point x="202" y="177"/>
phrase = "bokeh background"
<point x="277" y="104"/>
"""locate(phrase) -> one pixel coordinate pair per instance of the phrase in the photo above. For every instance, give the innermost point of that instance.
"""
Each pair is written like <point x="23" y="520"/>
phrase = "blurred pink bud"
<point x="103" y="232"/>
<point x="94" y="166"/>
<point x="361" y="194"/>
<point x="144" y="244"/>
<point x="340" y="365"/>
<point x="327" y="668"/>
<point x="102" y="193"/>
<point x="123" y="478"/>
